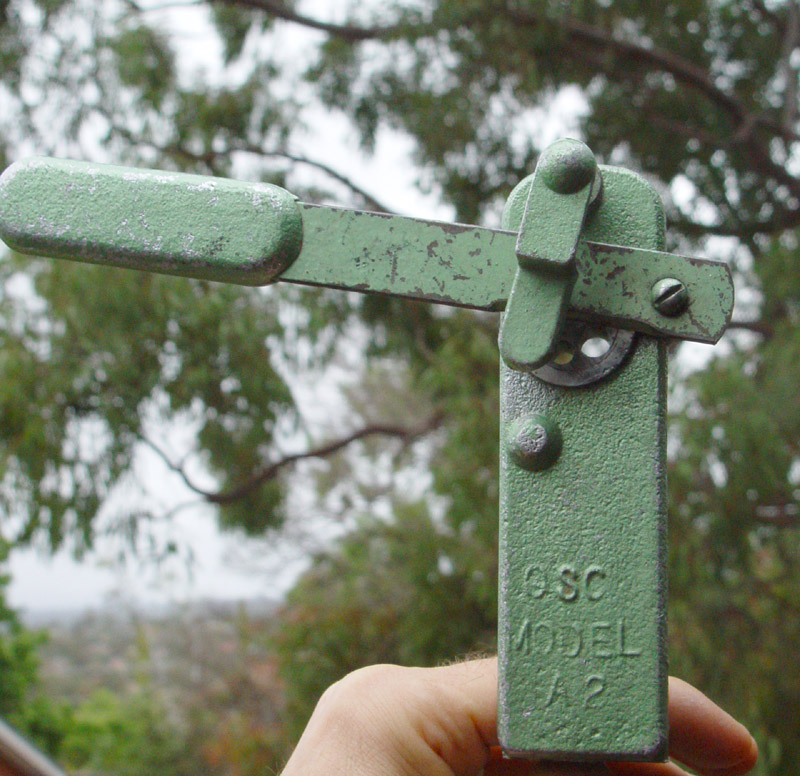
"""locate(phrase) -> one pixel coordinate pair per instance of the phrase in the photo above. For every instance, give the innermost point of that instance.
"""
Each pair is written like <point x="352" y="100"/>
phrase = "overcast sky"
<point x="227" y="567"/>
<point x="223" y="566"/>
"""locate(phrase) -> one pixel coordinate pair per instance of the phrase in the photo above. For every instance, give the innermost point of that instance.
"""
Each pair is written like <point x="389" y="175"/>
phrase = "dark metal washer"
<point x="579" y="368"/>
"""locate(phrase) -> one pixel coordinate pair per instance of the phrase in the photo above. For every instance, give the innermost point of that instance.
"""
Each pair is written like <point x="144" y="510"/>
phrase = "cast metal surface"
<point x="189" y="225"/>
<point x="582" y="631"/>
<point x="209" y="228"/>
<point x="562" y="187"/>
<point x="582" y="588"/>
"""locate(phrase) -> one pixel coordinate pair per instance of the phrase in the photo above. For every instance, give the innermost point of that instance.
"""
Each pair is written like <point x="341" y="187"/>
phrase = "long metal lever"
<point x="255" y="234"/>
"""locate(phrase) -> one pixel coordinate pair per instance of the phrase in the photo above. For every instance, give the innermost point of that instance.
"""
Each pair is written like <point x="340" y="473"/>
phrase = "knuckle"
<point x="356" y="695"/>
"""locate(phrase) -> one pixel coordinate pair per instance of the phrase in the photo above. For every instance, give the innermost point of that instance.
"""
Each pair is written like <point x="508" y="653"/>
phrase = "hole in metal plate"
<point x="586" y="353"/>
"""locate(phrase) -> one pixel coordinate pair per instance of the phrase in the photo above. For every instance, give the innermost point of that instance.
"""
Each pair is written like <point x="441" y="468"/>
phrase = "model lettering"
<point x="603" y="639"/>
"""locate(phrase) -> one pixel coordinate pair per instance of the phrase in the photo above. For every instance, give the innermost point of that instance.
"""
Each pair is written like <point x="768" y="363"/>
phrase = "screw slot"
<point x="669" y="296"/>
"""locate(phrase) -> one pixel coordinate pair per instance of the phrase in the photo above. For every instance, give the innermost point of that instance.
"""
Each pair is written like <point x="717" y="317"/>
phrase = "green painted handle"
<point x="208" y="228"/>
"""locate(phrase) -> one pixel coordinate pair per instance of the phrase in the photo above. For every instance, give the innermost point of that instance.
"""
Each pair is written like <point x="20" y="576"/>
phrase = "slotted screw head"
<point x="669" y="296"/>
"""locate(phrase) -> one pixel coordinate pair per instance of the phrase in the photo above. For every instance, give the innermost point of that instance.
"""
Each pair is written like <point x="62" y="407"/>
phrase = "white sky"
<point x="223" y="566"/>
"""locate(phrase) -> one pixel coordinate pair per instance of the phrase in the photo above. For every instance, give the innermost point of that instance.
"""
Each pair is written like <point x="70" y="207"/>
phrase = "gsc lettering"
<point x="566" y="582"/>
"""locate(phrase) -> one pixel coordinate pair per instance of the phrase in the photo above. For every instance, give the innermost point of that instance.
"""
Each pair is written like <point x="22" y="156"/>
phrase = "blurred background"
<point x="187" y="564"/>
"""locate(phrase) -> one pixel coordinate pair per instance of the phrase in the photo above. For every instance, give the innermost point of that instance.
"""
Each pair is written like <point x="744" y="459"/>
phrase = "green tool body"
<point x="582" y="632"/>
<point x="589" y="300"/>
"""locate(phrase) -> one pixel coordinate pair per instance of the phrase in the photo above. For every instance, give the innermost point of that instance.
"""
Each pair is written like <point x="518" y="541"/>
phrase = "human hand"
<point x="392" y="721"/>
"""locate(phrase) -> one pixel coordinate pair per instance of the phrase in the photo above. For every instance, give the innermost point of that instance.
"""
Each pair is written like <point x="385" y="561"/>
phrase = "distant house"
<point x="19" y="757"/>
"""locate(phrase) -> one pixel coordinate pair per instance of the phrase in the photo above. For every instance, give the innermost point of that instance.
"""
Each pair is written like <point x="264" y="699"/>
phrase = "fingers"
<point x="704" y="737"/>
<point x="646" y="769"/>
<point x="404" y="721"/>
<point x="701" y="736"/>
<point x="498" y="766"/>
<point x="476" y="683"/>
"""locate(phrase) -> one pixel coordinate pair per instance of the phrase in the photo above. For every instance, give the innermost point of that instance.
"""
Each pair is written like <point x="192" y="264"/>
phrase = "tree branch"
<point x="349" y="32"/>
<point x="696" y="77"/>
<point x="134" y="6"/>
<point x="371" y="202"/>
<point x="222" y="498"/>
<point x="791" y="40"/>
<point x="757" y="327"/>
<point x="406" y="435"/>
<point x="681" y="128"/>
<point x="681" y="69"/>
<point x="207" y="158"/>
<point x="171" y="465"/>
<point x="779" y="516"/>
<point x="745" y="230"/>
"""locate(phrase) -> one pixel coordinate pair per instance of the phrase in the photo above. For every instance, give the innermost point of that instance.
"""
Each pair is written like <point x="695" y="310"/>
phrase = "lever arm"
<point x="255" y="234"/>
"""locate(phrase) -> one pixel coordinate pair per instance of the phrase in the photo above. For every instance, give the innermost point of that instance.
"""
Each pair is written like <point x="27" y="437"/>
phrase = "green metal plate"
<point x="582" y="636"/>
<point x="453" y="264"/>
<point x="471" y="266"/>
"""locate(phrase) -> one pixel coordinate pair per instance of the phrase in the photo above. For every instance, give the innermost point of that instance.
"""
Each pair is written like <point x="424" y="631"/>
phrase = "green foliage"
<point x="192" y="359"/>
<point x="691" y="72"/>
<point x="22" y="705"/>
<point x="126" y="737"/>
<point x="18" y="663"/>
<point x="233" y="24"/>
<point x="405" y="592"/>
<point x="421" y="587"/>
<point x="193" y="692"/>
<point x="735" y="554"/>
<point x="144" y="62"/>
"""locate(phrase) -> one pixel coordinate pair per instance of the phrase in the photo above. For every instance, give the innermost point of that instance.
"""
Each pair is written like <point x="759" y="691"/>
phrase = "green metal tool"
<point x="589" y="300"/>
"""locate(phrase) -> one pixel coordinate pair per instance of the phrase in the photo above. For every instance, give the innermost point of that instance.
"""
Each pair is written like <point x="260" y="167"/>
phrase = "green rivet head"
<point x="669" y="296"/>
<point x="567" y="166"/>
<point x="534" y="442"/>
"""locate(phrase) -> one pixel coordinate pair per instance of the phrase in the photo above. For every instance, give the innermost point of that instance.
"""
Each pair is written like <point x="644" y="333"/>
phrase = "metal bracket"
<point x="582" y="628"/>
<point x="582" y="632"/>
<point x="565" y="179"/>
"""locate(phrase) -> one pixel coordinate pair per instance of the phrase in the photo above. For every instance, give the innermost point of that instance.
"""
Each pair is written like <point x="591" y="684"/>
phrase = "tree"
<point x="22" y="702"/>
<point x="699" y="96"/>
<point x="18" y="665"/>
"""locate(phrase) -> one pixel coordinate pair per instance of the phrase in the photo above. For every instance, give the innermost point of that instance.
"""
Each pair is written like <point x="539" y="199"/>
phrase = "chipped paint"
<point x="436" y="262"/>
<point x="209" y="228"/>
<point x="598" y="508"/>
<point x="583" y="544"/>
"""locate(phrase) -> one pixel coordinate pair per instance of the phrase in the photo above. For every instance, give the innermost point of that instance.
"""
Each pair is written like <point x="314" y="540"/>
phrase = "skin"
<point x="392" y="721"/>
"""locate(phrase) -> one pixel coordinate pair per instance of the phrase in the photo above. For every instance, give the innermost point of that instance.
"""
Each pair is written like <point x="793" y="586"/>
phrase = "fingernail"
<point x="745" y="764"/>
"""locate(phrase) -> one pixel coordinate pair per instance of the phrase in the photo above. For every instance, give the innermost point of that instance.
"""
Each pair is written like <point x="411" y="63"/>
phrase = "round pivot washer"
<point x="586" y="353"/>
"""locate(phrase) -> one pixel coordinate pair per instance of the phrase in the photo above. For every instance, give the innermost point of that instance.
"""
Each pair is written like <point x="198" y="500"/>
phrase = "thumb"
<point x="397" y="721"/>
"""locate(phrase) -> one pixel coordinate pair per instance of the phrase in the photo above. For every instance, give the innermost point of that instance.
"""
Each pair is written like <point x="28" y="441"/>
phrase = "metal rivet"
<point x="669" y="296"/>
<point x="567" y="166"/>
<point x="534" y="442"/>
